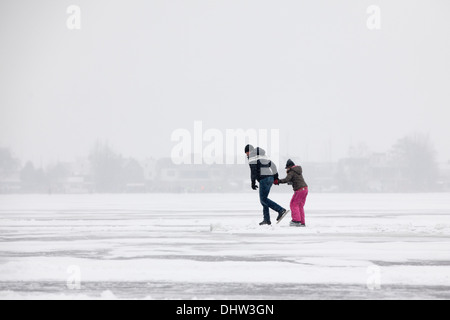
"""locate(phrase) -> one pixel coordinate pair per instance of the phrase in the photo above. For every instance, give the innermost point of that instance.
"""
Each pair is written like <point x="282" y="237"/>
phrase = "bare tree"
<point x="106" y="168"/>
<point x="56" y="175"/>
<point x="414" y="160"/>
<point x="33" y="179"/>
<point x="8" y="163"/>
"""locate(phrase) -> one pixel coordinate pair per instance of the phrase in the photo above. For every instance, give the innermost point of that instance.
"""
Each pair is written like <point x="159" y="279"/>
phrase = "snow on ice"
<point x="195" y="246"/>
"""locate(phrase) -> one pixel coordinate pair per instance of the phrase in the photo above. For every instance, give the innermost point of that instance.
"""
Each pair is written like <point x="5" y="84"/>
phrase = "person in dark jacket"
<point x="295" y="178"/>
<point x="265" y="172"/>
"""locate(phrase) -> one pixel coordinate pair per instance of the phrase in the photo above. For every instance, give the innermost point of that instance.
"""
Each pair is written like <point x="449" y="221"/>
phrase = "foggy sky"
<point x="138" y="70"/>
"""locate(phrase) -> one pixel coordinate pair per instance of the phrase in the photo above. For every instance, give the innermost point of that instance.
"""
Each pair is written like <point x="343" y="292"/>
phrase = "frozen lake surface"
<point x="209" y="246"/>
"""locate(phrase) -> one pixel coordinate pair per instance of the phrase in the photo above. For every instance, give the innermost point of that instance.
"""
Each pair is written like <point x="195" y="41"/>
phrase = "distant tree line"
<point x="109" y="171"/>
<point x="409" y="166"/>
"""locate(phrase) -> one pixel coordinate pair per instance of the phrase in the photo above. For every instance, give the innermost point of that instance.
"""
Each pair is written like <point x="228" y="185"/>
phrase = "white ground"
<point x="210" y="246"/>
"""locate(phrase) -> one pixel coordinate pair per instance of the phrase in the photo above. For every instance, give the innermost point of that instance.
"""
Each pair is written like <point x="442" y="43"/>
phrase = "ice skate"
<point x="297" y="224"/>
<point x="281" y="215"/>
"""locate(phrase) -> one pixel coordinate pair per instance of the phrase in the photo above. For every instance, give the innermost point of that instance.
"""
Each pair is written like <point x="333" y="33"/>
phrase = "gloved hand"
<point x="276" y="182"/>
<point x="254" y="186"/>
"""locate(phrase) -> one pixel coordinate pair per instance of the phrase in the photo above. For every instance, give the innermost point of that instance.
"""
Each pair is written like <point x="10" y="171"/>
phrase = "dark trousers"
<point x="264" y="190"/>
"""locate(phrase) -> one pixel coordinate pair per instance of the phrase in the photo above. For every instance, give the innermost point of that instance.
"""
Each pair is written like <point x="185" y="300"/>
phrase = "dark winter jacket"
<point x="260" y="165"/>
<point x="295" y="178"/>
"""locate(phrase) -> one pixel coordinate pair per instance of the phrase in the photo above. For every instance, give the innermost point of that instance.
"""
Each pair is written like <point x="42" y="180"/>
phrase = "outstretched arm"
<point x="287" y="179"/>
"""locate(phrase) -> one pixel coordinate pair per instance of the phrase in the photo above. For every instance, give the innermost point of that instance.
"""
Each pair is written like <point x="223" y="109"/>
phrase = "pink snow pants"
<point x="297" y="205"/>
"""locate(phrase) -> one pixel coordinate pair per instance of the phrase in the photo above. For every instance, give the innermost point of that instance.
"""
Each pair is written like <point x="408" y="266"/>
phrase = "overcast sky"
<point x="138" y="70"/>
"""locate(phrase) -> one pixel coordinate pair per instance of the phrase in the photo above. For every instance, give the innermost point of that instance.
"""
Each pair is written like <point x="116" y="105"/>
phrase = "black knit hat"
<point x="249" y="148"/>
<point x="289" y="164"/>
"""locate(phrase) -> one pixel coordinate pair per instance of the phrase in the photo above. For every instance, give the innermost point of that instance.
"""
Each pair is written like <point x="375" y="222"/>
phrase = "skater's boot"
<point x="297" y="224"/>
<point x="265" y="223"/>
<point x="281" y="215"/>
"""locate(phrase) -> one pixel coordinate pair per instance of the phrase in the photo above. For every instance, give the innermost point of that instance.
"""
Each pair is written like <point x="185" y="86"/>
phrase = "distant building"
<point x="197" y="178"/>
<point x="444" y="176"/>
<point x="372" y="173"/>
<point x="77" y="185"/>
<point x="10" y="183"/>
<point x="79" y="179"/>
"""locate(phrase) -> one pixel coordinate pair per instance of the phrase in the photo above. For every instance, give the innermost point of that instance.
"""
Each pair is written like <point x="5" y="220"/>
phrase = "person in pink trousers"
<point x="295" y="178"/>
